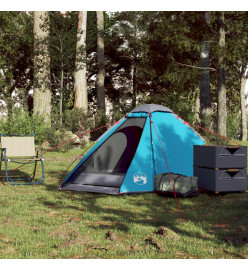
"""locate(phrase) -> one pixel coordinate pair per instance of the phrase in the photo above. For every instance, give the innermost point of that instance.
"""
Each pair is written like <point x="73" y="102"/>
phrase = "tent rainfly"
<point x="126" y="157"/>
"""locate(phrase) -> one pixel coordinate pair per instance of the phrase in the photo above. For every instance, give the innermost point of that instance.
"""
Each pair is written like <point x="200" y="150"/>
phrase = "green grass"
<point x="42" y="222"/>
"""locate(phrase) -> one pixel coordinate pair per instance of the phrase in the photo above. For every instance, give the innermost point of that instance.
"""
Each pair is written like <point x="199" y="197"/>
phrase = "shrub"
<point x="56" y="137"/>
<point x="234" y="124"/>
<point x="74" y="122"/>
<point x="77" y="121"/>
<point x="20" y="122"/>
<point x="100" y="120"/>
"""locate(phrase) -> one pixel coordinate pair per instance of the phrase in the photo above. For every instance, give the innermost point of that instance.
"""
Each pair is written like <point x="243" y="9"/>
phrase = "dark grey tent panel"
<point x="94" y="189"/>
<point x="149" y="108"/>
<point x="116" y="153"/>
<point x="108" y="130"/>
<point x="107" y="166"/>
<point x="108" y="180"/>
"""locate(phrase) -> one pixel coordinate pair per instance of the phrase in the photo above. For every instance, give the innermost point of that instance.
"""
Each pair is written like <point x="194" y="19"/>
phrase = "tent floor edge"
<point x="92" y="189"/>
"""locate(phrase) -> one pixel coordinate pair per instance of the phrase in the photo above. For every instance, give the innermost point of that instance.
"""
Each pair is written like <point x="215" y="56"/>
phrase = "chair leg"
<point x="42" y="165"/>
<point x="8" y="179"/>
<point x="35" y="165"/>
<point x="1" y="177"/>
<point x="13" y="181"/>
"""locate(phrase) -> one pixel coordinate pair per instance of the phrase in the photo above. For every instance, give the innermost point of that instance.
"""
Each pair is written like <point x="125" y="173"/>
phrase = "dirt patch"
<point x="6" y="221"/>
<point x="50" y="204"/>
<point x="154" y="242"/>
<point x="223" y="226"/>
<point x="12" y="222"/>
<point x="237" y="239"/>
<point x="136" y="247"/>
<point x="182" y="255"/>
<point x="73" y="219"/>
<point x="8" y="250"/>
<point x="52" y="213"/>
<point x="66" y="231"/>
<point x="78" y="241"/>
<point x="5" y="239"/>
<point x="226" y="225"/>
<point x="235" y="254"/>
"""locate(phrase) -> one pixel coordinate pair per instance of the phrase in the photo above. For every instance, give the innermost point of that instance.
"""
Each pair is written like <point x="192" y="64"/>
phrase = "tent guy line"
<point x="117" y="122"/>
<point x="168" y="170"/>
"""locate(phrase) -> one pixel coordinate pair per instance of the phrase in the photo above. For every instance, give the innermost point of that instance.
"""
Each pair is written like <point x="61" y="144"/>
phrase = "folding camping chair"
<point x="20" y="149"/>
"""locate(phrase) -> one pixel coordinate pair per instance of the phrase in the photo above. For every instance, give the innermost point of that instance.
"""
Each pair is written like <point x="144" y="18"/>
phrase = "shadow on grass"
<point x="17" y="176"/>
<point x="219" y="216"/>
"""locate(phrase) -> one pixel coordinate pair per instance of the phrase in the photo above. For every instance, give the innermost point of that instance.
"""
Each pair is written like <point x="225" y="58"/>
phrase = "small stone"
<point x="110" y="235"/>
<point x="135" y="247"/>
<point x="75" y="139"/>
<point x="167" y="233"/>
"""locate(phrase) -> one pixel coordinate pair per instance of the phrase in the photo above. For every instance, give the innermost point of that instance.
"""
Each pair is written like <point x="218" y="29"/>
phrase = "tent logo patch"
<point x="140" y="178"/>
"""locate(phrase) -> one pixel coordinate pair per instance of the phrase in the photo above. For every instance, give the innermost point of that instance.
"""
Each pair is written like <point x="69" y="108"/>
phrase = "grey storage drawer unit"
<point x="216" y="156"/>
<point x="221" y="180"/>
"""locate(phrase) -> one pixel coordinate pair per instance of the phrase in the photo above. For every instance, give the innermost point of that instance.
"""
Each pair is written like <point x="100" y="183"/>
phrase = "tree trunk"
<point x="42" y="80"/>
<point x="80" y="85"/>
<point x="134" y="77"/>
<point x="100" y="63"/>
<point x="242" y="107"/>
<point x="197" y="108"/>
<point x="134" y="86"/>
<point x="61" y="94"/>
<point x="221" y="76"/>
<point x="205" y="99"/>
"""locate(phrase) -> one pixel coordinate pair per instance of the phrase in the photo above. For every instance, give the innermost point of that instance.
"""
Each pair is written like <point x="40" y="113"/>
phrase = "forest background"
<point x="65" y="73"/>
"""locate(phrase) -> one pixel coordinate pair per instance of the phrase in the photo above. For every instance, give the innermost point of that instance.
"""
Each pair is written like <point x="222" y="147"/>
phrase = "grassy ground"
<point x="42" y="222"/>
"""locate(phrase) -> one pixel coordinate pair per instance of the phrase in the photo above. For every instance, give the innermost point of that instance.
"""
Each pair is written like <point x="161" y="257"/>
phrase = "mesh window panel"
<point x="116" y="153"/>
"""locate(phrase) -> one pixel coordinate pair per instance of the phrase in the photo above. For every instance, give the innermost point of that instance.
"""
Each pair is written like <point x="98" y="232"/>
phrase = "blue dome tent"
<point x="126" y="157"/>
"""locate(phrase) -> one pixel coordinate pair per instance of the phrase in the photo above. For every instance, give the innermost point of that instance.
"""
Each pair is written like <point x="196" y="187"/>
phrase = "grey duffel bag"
<point x="184" y="186"/>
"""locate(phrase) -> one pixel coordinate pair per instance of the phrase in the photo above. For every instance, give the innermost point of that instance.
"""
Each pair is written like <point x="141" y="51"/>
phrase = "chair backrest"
<point x="18" y="146"/>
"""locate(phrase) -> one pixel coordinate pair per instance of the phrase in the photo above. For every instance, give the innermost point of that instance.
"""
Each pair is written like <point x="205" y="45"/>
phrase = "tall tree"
<point x="100" y="62"/>
<point x="205" y="98"/>
<point x="237" y="57"/>
<point x="80" y="85"/>
<point x="243" y="79"/>
<point x="42" y="81"/>
<point x="221" y="75"/>
<point x="16" y="60"/>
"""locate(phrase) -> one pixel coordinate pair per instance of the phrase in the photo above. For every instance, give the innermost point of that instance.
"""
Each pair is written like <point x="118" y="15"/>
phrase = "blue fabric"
<point x="177" y="140"/>
<point x="94" y="148"/>
<point x="140" y="175"/>
<point x="130" y="115"/>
